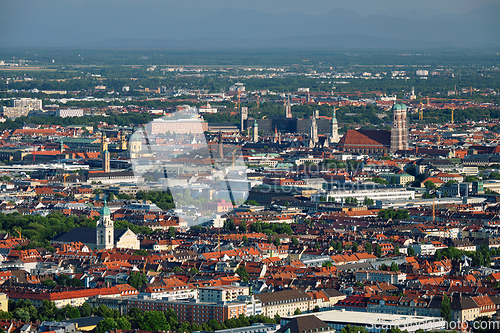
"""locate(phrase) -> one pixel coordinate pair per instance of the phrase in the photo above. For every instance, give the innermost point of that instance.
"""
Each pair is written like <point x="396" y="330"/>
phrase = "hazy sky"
<point x="85" y="22"/>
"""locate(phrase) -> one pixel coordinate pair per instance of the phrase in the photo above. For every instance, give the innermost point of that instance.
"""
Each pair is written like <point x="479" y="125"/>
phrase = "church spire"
<point x="334" y="134"/>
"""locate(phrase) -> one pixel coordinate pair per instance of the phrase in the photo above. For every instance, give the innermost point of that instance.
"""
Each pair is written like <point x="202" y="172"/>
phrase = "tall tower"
<point x="106" y="162"/>
<point x="123" y="141"/>
<point x="334" y="135"/>
<point x="105" y="154"/>
<point x="399" y="131"/>
<point x="104" y="143"/>
<point x="105" y="232"/>
<point x="288" y="107"/>
<point x="313" y="137"/>
<point x="244" y="116"/>
<point x="255" y="131"/>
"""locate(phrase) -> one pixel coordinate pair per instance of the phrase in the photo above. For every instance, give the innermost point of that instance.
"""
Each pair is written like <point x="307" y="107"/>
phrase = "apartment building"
<point x="193" y="310"/>
<point x="222" y="293"/>
<point x="284" y="303"/>
<point x="380" y="276"/>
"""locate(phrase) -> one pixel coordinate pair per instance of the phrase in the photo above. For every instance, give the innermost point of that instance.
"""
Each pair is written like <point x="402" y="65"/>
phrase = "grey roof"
<point x="459" y="303"/>
<point x="303" y="324"/>
<point x="361" y="265"/>
<point x="85" y="321"/>
<point x="285" y="295"/>
<point x="84" y="235"/>
<point x="333" y="293"/>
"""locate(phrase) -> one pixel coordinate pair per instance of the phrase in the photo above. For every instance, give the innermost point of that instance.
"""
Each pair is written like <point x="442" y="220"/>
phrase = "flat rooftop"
<point x="369" y="318"/>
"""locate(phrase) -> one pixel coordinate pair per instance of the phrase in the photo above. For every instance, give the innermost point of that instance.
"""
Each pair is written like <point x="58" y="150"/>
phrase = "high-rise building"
<point x="399" y="131"/>
<point x="244" y="116"/>
<point x="31" y="103"/>
<point x="334" y="136"/>
<point x="105" y="232"/>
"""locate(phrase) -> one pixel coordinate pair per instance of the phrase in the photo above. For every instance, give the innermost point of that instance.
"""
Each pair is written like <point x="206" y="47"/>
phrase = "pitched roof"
<point x="84" y="235"/>
<point x="366" y="138"/>
<point x="301" y="324"/>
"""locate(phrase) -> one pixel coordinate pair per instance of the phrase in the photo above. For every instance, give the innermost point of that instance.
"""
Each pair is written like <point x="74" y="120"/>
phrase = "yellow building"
<point x="4" y="302"/>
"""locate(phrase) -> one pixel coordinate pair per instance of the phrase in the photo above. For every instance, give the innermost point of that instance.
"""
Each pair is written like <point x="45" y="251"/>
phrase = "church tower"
<point x="123" y="141"/>
<point x="105" y="232"/>
<point x="106" y="162"/>
<point x="313" y="137"/>
<point x="399" y="131"/>
<point x="334" y="136"/>
<point x="104" y="144"/>
<point x="255" y="131"/>
<point x="288" y="108"/>
<point x="105" y="154"/>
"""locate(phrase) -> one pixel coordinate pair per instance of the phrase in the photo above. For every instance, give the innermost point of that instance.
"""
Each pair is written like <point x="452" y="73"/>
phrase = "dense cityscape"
<point x="342" y="192"/>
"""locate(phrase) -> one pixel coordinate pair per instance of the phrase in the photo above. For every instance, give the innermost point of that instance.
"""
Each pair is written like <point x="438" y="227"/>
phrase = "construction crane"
<point x="258" y="101"/>
<point x="304" y="61"/>
<point x="18" y="232"/>
<point x="66" y="175"/>
<point x="238" y="103"/>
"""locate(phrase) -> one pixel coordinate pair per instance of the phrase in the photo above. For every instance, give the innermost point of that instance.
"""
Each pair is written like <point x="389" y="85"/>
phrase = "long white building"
<point x="390" y="193"/>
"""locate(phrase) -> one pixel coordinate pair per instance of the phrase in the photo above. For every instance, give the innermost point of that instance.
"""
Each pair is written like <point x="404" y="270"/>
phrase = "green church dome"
<point x="105" y="210"/>
<point x="399" y="107"/>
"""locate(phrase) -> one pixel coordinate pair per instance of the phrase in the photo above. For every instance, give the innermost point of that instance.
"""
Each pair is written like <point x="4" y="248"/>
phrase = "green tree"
<point x="368" y="202"/>
<point x="297" y="312"/>
<point x="71" y="312"/>
<point x="85" y="310"/>
<point x="141" y="252"/>
<point x="411" y="251"/>
<point x="368" y="248"/>
<point x="49" y="282"/>
<point x="243" y="273"/>
<point x="438" y="256"/>
<point x="154" y="321"/>
<point x="396" y="250"/>
<point x="295" y="241"/>
<point x="394" y="267"/>
<point x="429" y="185"/>
<point x="378" y="251"/>
<point x="171" y="232"/>
<point x="277" y="241"/>
<point x="445" y="308"/>
<point x="354" y="247"/>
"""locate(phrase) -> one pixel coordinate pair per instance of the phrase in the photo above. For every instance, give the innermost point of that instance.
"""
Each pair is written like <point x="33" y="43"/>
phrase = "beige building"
<point x="222" y="293"/>
<point x="284" y="303"/>
<point x="4" y="302"/>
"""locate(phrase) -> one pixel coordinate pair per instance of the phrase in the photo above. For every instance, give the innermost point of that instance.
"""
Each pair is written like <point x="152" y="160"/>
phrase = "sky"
<point x="288" y="23"/>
